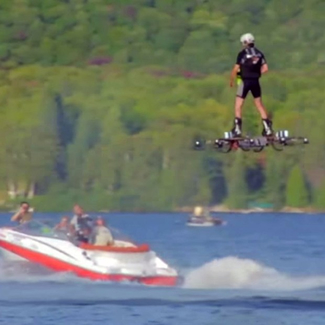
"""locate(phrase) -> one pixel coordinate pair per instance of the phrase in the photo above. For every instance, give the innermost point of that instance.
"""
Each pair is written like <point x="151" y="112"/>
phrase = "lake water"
<point x="257" y="269"/>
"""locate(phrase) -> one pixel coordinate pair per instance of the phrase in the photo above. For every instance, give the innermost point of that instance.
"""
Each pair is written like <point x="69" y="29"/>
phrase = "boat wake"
<point x="26" y="272"/>
<point x="235" y="273"/>
<point x="225" y="282"/>
<point x="224" y="273"/>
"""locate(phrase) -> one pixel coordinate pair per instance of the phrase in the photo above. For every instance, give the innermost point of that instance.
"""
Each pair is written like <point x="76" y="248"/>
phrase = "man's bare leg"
<point x="237" y="129"/>
<point x="267" y="124"/>
<point x="260" y="107"/>
<point x="239" y="102"/>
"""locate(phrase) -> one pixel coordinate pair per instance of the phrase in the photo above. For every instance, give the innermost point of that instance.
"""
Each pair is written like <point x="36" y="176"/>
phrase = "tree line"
<point x="100" y="102"/>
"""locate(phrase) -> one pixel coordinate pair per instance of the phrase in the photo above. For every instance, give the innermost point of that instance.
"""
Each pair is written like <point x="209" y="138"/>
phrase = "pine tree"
<point x="237" y="187"/>
<point x="274" y="182"/>
<point x="319" y="201"/>
<point x="296" y="191"/>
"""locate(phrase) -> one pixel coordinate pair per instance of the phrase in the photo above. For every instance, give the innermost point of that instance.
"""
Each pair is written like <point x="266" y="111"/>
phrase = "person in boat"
<point x="24" y="214"/>
<point x="201" y="214"/>
<point x="101" y="235"/>
<point x="198" y="212"/>
<point x="63" y="225"/>
<point x="249" y="67"/>
<point x="80" y="224"/>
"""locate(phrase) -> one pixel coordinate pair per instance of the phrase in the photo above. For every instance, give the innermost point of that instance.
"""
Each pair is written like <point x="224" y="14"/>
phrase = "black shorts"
<point x="249" y="85"/>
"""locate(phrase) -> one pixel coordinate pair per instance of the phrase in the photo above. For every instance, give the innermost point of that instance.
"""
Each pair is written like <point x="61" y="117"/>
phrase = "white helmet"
<point x="247" y="38"/>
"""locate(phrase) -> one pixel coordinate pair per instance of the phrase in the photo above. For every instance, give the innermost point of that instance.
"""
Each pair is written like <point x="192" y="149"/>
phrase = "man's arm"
<point x="264" y="67"/>
<point x="235" y="69"/>
<point x="16" y="217"/>
<point x="233" y="74"/>
<point x="72" y="226"/>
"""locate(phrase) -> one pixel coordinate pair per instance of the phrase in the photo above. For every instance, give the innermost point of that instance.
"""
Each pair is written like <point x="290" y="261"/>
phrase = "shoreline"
<point x="190" y="209"/>
<point x="221" y="208"/>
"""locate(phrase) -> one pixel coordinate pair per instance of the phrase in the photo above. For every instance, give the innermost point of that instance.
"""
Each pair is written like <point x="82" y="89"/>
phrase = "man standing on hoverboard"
<point x="250" y="65"/>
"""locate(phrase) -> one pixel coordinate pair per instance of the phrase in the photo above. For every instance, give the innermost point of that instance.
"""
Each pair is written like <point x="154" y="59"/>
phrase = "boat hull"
<point x="200" y="224"/>
<point x="82" y="265"/>
<point x="195" y="222"/>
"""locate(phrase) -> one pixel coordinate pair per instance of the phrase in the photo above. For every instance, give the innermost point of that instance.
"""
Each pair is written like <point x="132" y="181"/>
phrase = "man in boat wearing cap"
<point x="24" y="214"/>
<point x="249" y="67"/>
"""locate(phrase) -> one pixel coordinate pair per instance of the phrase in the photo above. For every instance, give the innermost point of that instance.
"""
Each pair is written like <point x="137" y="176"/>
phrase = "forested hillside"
<point x="100" y="101"/>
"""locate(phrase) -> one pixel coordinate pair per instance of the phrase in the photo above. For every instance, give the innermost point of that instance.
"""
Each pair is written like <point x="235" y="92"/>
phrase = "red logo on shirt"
<point x="255" y="59"/>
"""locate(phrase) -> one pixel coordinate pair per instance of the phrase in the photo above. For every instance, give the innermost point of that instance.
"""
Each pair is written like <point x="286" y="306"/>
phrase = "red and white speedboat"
<point x="124" y="261"/>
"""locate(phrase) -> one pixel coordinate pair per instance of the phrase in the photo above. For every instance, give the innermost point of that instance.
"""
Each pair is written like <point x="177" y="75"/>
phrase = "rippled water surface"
<point x="257" y="269"/>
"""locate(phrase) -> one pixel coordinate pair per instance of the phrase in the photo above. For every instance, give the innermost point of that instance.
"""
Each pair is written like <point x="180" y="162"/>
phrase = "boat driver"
<point x="81" y="224"/>
<point x="24" y="214"/>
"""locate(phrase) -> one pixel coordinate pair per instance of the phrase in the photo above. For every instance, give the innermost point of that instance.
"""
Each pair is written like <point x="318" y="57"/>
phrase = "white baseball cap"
<point x="247" y="38"/>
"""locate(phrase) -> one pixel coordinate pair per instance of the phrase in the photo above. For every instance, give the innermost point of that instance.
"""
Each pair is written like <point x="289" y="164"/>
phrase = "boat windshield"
<point x="41" y="229"/>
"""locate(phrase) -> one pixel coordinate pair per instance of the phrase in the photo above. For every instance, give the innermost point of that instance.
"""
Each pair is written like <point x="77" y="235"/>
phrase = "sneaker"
<point x="236" y="130"/>
<point x="236" y="133"/>
<point x="267" y="128"/>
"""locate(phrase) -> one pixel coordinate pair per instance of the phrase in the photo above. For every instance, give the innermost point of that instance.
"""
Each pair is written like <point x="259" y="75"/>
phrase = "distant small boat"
<point x="194" y="221"/>
<point x="201" y="218"/>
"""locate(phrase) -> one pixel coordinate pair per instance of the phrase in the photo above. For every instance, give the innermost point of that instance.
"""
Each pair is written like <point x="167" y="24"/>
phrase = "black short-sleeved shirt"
<point x="250" y="61"/>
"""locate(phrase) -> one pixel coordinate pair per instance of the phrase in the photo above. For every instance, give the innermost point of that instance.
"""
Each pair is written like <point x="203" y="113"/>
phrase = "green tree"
<point x="275" y="180"/>
<point x="319" y="197"/>
<point x="296" y="191"/>
<point x="237" y="187"/>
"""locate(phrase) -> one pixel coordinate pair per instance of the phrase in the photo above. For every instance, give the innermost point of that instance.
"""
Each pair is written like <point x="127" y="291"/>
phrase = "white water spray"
<point x="235" y="273"/>
<point x="224" y="273"/>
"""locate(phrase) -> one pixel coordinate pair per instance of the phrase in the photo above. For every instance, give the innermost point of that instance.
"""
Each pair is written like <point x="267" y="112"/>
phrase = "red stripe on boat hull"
<point x="61" y="266"/>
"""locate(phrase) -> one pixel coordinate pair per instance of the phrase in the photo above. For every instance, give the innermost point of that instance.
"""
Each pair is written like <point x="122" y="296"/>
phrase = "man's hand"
<point x="233" y="74"/>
